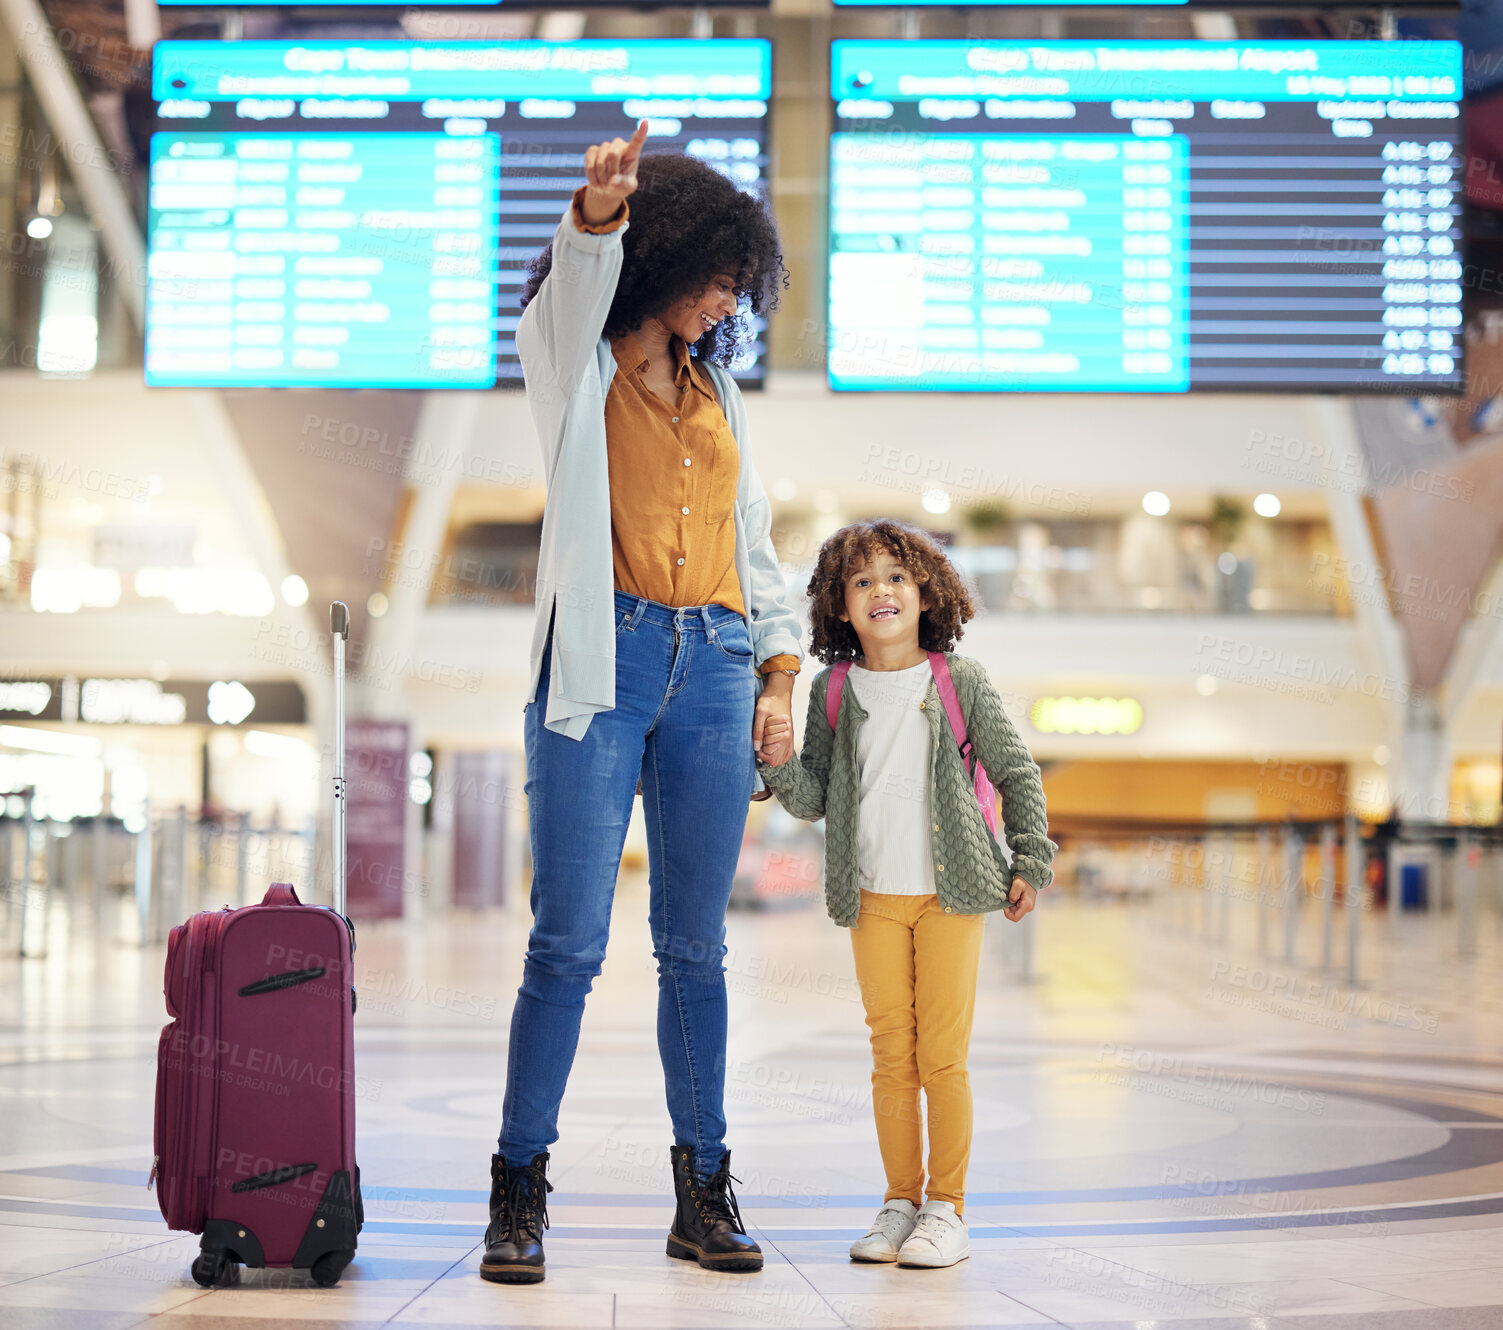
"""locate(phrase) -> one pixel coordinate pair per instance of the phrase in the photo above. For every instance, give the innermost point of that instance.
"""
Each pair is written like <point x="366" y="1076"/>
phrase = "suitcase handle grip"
<point x="339" y="619"/>
<point x="281" y="893"/>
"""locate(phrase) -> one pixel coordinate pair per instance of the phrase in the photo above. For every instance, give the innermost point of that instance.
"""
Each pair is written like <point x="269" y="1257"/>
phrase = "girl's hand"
<point x="776" y="746"/>
<point x="1023" y="897"/>
<point x="611" y="174"/>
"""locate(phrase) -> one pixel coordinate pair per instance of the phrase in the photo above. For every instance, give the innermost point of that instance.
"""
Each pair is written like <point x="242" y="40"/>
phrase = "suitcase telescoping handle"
<point x="339" y="626"/>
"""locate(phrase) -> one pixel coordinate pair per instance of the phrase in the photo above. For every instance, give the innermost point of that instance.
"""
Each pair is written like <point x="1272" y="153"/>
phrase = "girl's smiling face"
<point x="883" y="603"/>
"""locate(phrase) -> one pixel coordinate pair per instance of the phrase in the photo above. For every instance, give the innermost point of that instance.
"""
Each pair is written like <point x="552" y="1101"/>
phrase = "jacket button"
<point x="923" y="705"/>
<point x="948" y="910"/>
<point x="936" y="826"/>
<point x="941" y="867"/>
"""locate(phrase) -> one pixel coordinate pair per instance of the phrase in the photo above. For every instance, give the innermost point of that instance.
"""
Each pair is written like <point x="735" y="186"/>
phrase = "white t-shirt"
<point x="893" y="754"/>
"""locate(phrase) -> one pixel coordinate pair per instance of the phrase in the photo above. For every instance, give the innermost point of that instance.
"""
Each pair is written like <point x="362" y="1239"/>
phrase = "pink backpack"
<point x="986" y="792"/>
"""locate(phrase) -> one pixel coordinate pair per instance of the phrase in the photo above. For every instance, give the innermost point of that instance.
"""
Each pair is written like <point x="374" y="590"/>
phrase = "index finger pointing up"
<point x="634" y="147"/>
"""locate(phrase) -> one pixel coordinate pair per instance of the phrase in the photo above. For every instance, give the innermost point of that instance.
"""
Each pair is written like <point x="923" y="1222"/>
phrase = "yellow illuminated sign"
<point x="1086" y="715"/>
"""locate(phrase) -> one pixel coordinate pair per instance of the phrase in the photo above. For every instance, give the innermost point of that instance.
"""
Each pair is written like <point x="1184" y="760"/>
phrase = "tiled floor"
<point x="1169" y="1133"/>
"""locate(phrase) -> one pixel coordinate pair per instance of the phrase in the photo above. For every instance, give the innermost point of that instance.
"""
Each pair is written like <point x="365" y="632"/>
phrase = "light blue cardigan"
<point x="568" y="368"/>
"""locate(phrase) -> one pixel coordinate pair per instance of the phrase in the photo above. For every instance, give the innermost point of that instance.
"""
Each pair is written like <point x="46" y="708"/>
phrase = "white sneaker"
<point x="889" y="1230"/>
<point x="939" y="1238"/>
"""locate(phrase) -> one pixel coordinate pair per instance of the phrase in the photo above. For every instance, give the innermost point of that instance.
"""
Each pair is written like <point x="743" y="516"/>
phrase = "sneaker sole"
<point x="511" y="1274"/>
<point x="687" y="1251"/>
<point x="937" y="1265"/>
<point x="874" y="1260"/>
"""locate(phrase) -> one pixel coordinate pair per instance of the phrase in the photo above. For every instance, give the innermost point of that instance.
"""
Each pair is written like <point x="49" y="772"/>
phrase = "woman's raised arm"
<point x="563" y="322"/>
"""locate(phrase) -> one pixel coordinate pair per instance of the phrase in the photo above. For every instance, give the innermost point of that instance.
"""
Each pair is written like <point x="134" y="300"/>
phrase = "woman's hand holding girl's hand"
<point x="611" y="175"/>
<point x="1023" y="897"/>
<point x="777" y="740"/>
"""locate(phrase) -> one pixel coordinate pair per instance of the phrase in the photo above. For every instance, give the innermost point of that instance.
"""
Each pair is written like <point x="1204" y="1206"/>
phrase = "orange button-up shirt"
<point x="673" y="471"/>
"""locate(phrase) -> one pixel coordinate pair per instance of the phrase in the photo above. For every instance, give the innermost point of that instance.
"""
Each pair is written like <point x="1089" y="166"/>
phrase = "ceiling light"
<point x="48" y="741"/>
<point x="294" y="590"/>
<point x="230" y="703"/>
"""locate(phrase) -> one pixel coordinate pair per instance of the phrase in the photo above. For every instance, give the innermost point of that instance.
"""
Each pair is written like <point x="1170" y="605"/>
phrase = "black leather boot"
<point x="707" y="1227"/>
<point x="519" y="1214"/>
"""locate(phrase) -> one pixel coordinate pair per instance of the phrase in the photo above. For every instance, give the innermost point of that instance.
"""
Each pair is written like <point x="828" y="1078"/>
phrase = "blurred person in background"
<point x="662" y="648"/>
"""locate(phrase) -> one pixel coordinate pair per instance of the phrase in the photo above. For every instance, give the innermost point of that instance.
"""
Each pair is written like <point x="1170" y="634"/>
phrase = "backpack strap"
<point x="835" y="690"/>
<point x="946" y="686"/>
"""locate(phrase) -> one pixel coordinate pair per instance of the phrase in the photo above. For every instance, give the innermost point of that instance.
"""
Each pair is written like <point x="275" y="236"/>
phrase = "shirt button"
<point x="681" y="561"/>
<point x="686" y="461"/>
<point x="685" y="511"/>
<point x="675" y="420"/>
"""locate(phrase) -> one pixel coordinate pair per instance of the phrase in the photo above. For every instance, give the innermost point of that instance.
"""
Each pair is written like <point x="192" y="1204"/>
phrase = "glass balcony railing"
<point x="1150" y="565"/>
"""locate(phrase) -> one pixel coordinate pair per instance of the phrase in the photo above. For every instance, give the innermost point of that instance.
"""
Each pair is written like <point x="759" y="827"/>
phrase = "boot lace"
<point x="717" y="1200"/>
<point x="525" y="1202"/>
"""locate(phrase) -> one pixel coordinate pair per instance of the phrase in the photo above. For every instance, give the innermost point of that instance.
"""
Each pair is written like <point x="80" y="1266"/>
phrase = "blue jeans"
<point x="685" y="694"/>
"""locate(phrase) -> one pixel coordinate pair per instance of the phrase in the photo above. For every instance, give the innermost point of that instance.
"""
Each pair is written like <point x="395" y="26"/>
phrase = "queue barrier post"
<point x="1355" y="897"/>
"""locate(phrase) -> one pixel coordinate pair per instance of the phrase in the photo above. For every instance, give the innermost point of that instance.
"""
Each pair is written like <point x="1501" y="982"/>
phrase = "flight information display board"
<point x="1450" y="6"/>
<point x="1145" y="216"/>
<point x="347" y="214"/>
<point x="475" y="4"/>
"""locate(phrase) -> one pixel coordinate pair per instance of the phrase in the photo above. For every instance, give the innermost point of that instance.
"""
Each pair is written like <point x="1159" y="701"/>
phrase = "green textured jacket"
<point x="970" y="872"/>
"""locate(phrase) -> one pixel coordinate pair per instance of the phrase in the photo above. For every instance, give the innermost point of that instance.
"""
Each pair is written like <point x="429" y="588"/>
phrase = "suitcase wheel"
<point x="327" y="1269"/>
<point x="210" y="1267"/>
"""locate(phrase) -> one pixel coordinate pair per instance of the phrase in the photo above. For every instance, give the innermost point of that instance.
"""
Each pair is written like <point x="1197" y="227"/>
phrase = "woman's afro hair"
<point x="848" y="551"/>
<point x="686" y="223"/>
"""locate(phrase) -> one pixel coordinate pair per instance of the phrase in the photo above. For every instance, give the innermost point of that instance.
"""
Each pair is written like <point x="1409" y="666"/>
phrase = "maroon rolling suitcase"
<point x="255" y="1108"/>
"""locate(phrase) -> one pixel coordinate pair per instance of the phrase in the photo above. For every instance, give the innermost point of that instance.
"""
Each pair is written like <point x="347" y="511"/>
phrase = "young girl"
<point x="910" y="864"/>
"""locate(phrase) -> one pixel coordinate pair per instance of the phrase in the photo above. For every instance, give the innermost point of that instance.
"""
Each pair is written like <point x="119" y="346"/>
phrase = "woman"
<point x="662" y="647"/>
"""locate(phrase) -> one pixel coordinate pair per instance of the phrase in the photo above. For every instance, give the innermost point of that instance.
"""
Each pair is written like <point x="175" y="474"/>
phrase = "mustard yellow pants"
<point x="916" y="966"/>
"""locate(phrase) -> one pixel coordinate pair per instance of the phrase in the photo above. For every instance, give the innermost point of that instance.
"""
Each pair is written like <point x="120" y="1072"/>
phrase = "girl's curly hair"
<point x="686" y="224"/>
<point x="852" y="548"/>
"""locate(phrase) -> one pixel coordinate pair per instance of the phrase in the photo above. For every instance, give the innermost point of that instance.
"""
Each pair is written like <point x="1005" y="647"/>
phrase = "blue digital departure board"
<point x="467" y="4"/>
<point x="1145" y="216"/>
<point x="361" y="215"/>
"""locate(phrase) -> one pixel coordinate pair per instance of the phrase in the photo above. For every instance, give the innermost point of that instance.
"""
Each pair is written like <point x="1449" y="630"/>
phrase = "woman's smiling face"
<point x="883" y="602"/>
<point x="693" y="316"/>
